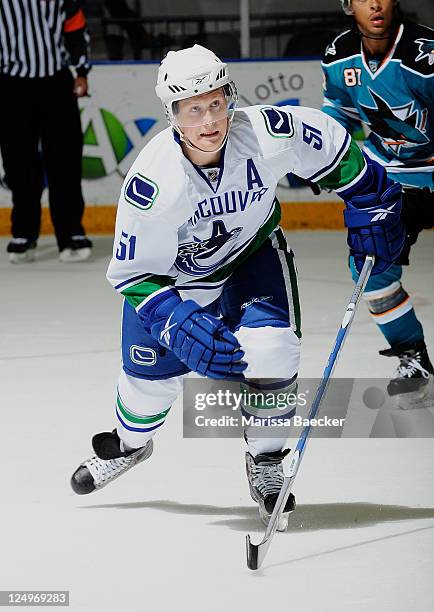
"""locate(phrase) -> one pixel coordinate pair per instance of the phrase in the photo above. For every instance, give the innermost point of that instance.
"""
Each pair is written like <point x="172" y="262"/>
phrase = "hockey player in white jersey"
<point x="209" y="282"/>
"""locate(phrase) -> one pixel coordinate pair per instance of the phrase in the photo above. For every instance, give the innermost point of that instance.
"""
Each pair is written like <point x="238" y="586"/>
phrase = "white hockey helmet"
<point x="191" y="72"/>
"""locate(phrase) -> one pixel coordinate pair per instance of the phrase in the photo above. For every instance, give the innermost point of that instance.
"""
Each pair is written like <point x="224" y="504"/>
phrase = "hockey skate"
<point x="21" y="250"/>
<point x="265" y="475"/>
<point x="413" y="385"/>
<point x="108" y="463"/>
<point x="78" y="249"/>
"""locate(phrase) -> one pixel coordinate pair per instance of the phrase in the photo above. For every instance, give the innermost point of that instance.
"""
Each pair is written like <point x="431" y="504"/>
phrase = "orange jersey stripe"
<point x="381" y="314"/>
<point x="77" y="22"/>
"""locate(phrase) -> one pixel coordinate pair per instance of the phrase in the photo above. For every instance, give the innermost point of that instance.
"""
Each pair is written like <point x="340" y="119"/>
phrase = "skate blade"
<point x="26" y="257"/>
<point x="75" y="255"/>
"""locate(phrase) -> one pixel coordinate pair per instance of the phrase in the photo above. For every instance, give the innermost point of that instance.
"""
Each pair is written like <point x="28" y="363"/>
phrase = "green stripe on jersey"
<point x="137" y="293"/>
<point x="132" y="418"/>
<point x="347" y="170"/>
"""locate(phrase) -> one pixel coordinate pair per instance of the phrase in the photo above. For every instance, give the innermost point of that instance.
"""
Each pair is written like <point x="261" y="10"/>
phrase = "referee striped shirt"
<point x="39" y="37"/>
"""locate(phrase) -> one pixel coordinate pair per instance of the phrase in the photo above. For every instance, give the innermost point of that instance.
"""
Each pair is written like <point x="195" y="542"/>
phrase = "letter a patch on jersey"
<point x="279" y="123"/>
<point x="141" y="192"/>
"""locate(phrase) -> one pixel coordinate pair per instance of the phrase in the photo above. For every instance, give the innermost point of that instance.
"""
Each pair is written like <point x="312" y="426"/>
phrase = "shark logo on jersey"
<point x="141" y="192"/>
<point x="397" y="126"/>
<point x="193" y="255"/>
<point x="426" y="50"/>
<point x="330" y="49"/>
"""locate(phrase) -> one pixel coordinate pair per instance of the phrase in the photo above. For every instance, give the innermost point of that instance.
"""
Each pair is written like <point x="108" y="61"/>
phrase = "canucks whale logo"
<point x="426" y="50"/>
<point x="192" y="256"/>
<point x="398" y="126"/>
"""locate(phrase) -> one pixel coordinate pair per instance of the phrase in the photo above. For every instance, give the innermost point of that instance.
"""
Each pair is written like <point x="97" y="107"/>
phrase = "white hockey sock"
<point x="257" y="446"/>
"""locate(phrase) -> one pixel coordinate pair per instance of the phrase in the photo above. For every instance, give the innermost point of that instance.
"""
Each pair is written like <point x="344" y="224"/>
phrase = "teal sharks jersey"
<point x="393" y="96"/>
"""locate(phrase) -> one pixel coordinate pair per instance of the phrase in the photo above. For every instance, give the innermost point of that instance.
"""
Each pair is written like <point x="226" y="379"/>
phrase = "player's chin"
<point x="378" y="29"/>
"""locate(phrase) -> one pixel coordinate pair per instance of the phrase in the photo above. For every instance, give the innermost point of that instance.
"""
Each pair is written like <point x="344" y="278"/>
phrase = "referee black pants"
<point x="41" y="138"/>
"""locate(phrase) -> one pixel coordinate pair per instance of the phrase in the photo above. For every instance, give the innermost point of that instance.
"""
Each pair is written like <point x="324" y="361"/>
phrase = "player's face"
<point x="373" y="17"/>
<point x="204" y="119"/>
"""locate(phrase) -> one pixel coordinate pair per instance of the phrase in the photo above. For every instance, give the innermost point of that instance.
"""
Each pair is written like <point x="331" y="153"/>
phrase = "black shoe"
<point x="79" y="248"/>
<point x="108" y="463"/>
<point x="21" y="250"/>
<point x="414" y="371"/>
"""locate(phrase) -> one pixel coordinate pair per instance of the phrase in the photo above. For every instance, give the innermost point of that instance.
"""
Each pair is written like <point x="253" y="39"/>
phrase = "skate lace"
<point x="409" y="366"/>
<point x="102" y="470"/>
<point x="268" y="478"/>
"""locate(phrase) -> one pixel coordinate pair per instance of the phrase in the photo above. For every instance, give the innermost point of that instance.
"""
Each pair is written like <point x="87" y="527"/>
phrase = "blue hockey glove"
<point x="375" y="227"/>
<point x="198" y="339"/>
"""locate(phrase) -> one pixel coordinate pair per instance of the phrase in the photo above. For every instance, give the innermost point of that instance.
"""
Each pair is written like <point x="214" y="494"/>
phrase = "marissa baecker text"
<point x="251" y="421"/>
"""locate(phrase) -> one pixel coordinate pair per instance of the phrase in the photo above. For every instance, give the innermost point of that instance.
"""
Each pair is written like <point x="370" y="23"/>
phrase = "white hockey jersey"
<point x="178" y="224"/>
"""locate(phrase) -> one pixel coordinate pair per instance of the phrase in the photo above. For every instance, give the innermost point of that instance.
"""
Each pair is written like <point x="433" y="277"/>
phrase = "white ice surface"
<point x="170" y="535"/>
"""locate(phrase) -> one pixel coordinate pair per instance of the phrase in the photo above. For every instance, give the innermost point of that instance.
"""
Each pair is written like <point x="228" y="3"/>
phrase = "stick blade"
<point x="252" y="554"/>
<point x="256" y="552"/>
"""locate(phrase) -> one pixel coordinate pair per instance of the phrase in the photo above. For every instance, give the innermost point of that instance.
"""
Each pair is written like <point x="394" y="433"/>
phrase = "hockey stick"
<point x="256" y="552"/>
